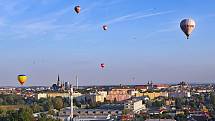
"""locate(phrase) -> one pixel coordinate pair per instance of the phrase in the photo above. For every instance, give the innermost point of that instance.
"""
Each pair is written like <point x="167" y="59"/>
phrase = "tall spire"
<point x="58" y="80"/>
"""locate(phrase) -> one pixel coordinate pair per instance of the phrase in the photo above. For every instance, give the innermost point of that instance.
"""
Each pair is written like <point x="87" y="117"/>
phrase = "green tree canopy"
<point x="58" y="103"/>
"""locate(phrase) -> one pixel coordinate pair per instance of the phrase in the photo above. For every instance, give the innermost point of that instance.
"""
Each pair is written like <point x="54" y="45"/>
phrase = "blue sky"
<point x="43" y="38"/>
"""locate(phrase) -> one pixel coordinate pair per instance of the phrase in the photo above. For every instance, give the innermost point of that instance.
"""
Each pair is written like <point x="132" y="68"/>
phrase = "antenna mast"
<point x="76" y="78"/>
<point x="71" y="108"/>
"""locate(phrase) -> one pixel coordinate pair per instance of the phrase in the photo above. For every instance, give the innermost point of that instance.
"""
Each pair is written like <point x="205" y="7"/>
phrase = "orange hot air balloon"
<point x="22" y="79"/>
<point x="105" y="27"/>
<point x="102" y="65"/>
<point x="77" y="9"/>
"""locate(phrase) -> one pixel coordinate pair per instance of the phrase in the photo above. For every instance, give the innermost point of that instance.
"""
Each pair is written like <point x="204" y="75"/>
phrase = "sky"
<point x="44" y="38"/>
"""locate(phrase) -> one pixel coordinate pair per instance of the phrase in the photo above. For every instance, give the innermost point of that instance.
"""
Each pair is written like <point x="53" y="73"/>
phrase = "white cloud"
<point x="136" y="16"/>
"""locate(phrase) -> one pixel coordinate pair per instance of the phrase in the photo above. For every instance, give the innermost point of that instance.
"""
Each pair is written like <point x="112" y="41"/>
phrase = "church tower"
<point x="58" y="80"/>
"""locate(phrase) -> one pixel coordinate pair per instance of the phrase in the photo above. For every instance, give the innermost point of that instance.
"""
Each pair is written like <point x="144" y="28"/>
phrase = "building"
<point x="7" y="90"/>
<point x="79" y="112"/>
<point x="160" y="120"/>
<point x="89" y="114"/>
<point x="202" y="90"/>
<point x="153" y="95"/>
<point x="139" y="94"/>
<point x="56" y="94"/>
<point x="98" y="97"/>
<point x="41" y="95"/>
<point x="134" y="105"/>
<point x="161" y="86"/>
<point x="67" y="85"/>
<point x="169" y="102"/>
<point x="134" y="92"/>
<point x="142" y="88"/>
<point x="118" y="94"/>
<point x="180" y="93"/>
<point x="151" y="86"/>
<point x="94" y="118"/>
<point x="60" y="86"/>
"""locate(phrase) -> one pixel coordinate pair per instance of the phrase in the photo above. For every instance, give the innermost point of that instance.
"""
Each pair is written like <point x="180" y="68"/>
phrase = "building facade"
<point x="134" y="105"/>
<point x="119" y="94"/>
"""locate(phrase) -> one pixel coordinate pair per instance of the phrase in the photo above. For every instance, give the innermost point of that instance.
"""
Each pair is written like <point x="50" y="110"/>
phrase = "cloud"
<point x="136" y="16"/>
<point x="121" y="18"/>
<point x="163" y="30"/>
<point x="49" y="22"/>
<point x="150" y="15"/>
<point x="46" y="23"/>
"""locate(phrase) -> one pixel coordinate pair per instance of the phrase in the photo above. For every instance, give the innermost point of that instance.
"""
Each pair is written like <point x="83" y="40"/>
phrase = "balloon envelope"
<point x="77" y="9"/>
<point x="102" y="65"/>
<point x="104" y="27"/>
<point x="187" y="26"/>
<point x="22" y="79"/>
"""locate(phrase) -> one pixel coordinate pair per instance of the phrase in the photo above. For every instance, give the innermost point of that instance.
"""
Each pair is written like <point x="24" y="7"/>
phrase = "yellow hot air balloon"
<point x="22" y="79"/>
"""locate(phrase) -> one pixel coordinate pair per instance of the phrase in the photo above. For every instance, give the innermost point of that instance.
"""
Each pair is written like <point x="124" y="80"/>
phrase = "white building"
<point x="56" y="94"/>
<point x="98" y="96"/>
<point x="88" y="114"/>
<point x="133" y="92"/>
<point x="180" y="93"/>
<point x="134" y="105"/>
<point x="90" y="118"/>
<point x="160" y="120"/>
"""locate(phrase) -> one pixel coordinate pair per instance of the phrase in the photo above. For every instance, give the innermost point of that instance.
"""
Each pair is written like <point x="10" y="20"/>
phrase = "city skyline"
<point x="44" y="38"/>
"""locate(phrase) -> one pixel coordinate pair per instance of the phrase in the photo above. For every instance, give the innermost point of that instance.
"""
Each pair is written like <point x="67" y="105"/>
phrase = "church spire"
<point x="58" y="80"/>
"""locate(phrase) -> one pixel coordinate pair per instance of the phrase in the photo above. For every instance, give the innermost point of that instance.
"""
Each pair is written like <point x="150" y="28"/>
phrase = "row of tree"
<point x="23" y="114"/>
<point x="11" y="99"/>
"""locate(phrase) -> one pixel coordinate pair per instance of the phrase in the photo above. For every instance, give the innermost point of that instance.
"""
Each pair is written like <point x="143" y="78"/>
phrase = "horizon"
<point x="154" y="83"/>
<point x="42" y="39"/>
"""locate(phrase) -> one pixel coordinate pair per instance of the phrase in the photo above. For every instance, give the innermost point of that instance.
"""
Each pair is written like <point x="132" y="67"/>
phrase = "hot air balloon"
<point x="102" y="65"/>
<point x="77" y="9"/>
<point x="105" y="27"/>
<point x="22" y="79"/>
<point x="187" y="26"/>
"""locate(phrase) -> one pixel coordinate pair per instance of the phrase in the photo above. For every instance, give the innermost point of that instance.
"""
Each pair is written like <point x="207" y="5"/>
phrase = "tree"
<point x="58" y="103"/>
<point x="148" y="104"/>
<point x="36" y="108"/>
<point x="193" y="105"/>
<point x="50" y="104"/>
<point x="25" y="114"/>
<point x="44" y="117"/>
<point x="140" y="118"/>
<point x="125" y="111"/>
<point x="12" y="116"/>
<point x="1" y="101"/>
<point x="66" y="102"/>
<point x="10" y="100"/>
<point x="181" y="117"/>
<point x="212" y="99"/>
<point x="178" y="103"/>
<point x="158" y="103"/>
